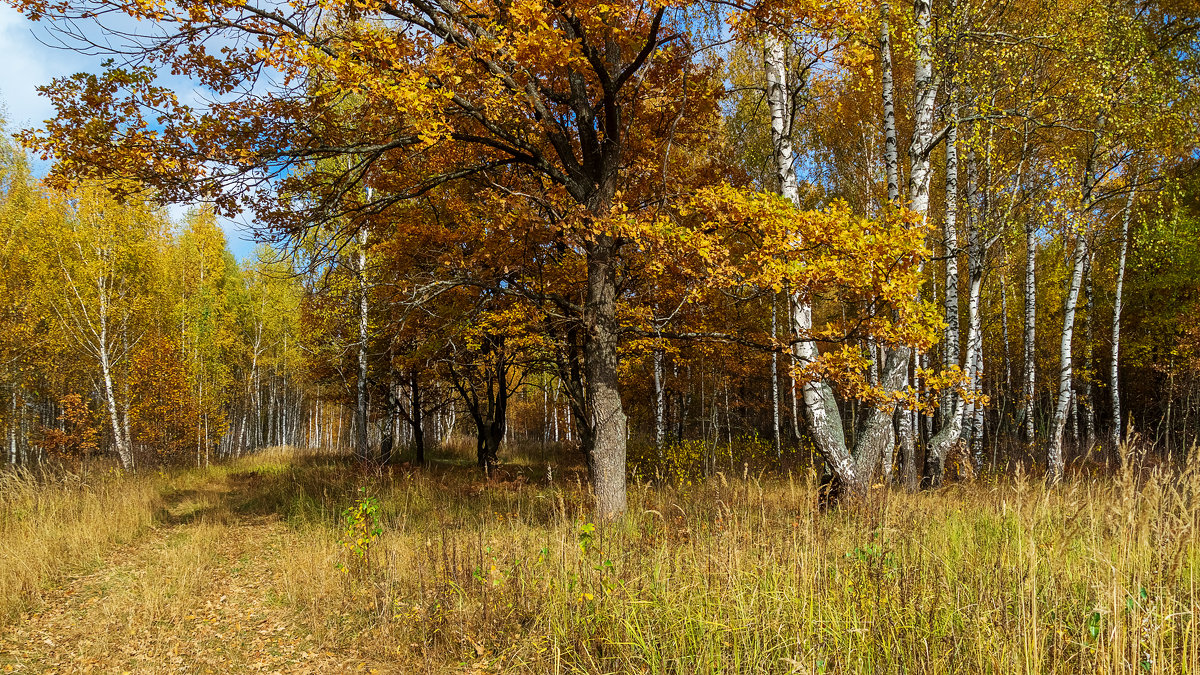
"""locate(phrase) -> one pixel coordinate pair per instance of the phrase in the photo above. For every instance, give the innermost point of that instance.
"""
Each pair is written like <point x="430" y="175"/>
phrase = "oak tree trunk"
<point x="608" y="423"/>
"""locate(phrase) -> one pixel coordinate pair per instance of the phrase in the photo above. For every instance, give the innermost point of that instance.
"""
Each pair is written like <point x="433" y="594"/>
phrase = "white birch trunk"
<point x="12" y="430"/>
<point x="1055" y="465"/>
<point x="103" y="353"/>
<point x="1004" y="329"/>
<point x="1114" y="368"/>
<point x="1089" y="393"/>
<point x="360" y="404"/>
<point x="890" y="159"/>
<point x="1030" y="327"/>
<point x="976" y="251"/>
<point x="891" y="169"/>
<point x="924" y="95"/>
<point x="820" y="407"/>
<point x="950" y="352"/>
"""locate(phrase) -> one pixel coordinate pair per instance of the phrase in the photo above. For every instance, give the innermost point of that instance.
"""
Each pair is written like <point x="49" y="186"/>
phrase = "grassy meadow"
<point x="435" y="569"/>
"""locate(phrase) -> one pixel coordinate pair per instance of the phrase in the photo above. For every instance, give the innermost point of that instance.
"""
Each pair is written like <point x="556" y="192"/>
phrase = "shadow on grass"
<point x="313" y="489"/>
<point x="192" y="505"/>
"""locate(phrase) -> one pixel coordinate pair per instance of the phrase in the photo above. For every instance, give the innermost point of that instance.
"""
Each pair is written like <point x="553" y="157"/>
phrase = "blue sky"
<point x="26" y="63"/>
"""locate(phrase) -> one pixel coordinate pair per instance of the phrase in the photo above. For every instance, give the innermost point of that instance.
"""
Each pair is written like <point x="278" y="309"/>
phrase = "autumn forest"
<point x="597" y="337"/>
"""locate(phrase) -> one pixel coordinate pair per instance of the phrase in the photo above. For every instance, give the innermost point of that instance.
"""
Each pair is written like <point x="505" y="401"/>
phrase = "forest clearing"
<point x="600" y="336"/>
<point x="272" y="564"/>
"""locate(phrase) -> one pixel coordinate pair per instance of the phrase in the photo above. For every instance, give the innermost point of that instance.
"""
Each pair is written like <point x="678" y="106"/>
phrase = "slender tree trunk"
<point x="12" y="430"/>
<point x="1004" y="331"/>
<point x="199" y="426"/>
<point x="976" y="251"/>
<point x="1114" y="367"/>
<point x="207" y="442"/>
<point x="126" y="417"/>
<point x="891" y="164"/>
<point x="908" y="431"/>
<point x="920" y="145"/>
<point x="952" y="407"/>
<point x="660" y="421"/>
<point x="1089" y="392"/>
<point x="271" y="412"/>
<point x="775" y="431"/>
<point x="102" y="351"/>
<point x="795" y="418"/>
<point x="1006" y="392"/>
<point x="926" y="417"/>
<point x="950" y="352"/>
<point x="890" y="160"/>
<point x="417" y="416"/>
<point x="1030" y="328"/>
<point x="254" y="386"/>
<point x="924" y="95"/>
<point x="794" y="388"/>
<point x="555" y="405"/>
<point x="1055" y="465"/>
<point x="977" y="430"/>
<point x="545" y="416"/>
<point x="728" y="425"/>
<point x="361" y="447"/>
<point x="925" y="92"/>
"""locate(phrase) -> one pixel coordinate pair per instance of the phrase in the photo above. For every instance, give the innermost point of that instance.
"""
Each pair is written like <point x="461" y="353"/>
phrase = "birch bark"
<point x="1115" y="365"/>
<point x="1030" y="327"/>
<point x="1055" y="465"/>
<point x="820" y="407"/>
<point x="103" y="353"/>
<point x="976" y="250"/>
<point x="950" y="352"/>
<point x="924" y="95"/>
<point x="360" y="402"/>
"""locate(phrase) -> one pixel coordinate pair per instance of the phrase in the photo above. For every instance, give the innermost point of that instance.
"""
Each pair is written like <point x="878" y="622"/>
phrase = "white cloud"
<point x="29" y="63"/>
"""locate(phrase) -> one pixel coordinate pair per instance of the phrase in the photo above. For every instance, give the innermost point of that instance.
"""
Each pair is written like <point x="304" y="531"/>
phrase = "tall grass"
<point x="747" y="575"/>
<point x="56" y="523"/>
<point x="725" y="574"/>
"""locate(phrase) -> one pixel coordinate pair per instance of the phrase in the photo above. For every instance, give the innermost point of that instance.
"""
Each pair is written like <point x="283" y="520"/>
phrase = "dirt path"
<point x="194" y="595"/>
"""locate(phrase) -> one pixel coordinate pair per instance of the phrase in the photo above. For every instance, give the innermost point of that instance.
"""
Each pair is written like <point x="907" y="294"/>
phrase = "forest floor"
<point x="198" y="592"/>
<point x="301" y="562"/>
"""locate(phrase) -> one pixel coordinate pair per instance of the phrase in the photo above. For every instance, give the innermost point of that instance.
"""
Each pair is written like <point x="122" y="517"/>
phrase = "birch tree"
<point x="853" y="467"/>
<point x="361" y="413"/>
<point x="1114" y="378"/>
<point x="102" y="258"/>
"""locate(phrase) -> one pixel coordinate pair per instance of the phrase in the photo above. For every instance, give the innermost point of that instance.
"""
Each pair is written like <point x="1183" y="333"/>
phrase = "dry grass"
<point x="57" y="524"/>
<point x="747" y="575"/>
<point x="731" y="574"/>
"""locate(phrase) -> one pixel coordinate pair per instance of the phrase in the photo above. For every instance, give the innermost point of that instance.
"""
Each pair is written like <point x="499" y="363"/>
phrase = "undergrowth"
<point x="56" y="523"/>
<point x="436" y="569"/>
<point x="748" y="575"/>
